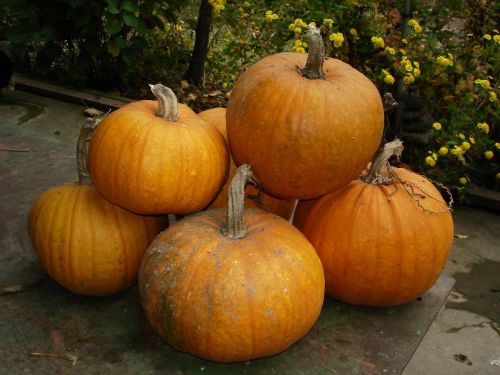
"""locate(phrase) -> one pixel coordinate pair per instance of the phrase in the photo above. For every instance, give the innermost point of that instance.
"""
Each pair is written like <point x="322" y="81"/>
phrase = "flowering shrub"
<point x="445" y="57"/>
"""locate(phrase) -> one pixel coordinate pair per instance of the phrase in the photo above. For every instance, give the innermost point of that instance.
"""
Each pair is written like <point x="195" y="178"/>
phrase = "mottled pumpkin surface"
<point x="378" y="245"/>
<point x="253" y="197"/>
<point x="303" y="137"/>
<point x="87" y="244"/>
<point x="231" y="300"/>
<point x="151" y="166"/>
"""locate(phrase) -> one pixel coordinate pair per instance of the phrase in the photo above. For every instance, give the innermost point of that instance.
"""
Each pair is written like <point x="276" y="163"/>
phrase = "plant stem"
<point x="168" y="106"/>
<point x="82" y="147"/>
<point x="315" y="55"/>
<point x="380" y="170"/>
<point x="235" y="227"/>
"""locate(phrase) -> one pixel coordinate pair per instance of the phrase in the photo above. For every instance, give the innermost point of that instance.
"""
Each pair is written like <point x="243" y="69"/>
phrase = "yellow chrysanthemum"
<point x="408" y="79"/>
<point x="457" y="151"/>
<point x="465" y="146"/>
<point x="337" y="39"/>
<point x="444" y="61"/>
<point x="378" y="42"/>
<point x="488" y="154"/>
<point x="297" y="30"/>
<point x="497" y="145"/>
<point x="353" y="32"/>
<point x="472" y="140"/>
<point x="437" y="125"/>
<point x="487" y="36"/>
<point x="484" y="83"/>
<point x="429" y="160"/>
<point x="462" y="180"/>
<point x="390" y="50"/>
<point x="443" y="151"/>
<point x="496" y="38"/>
<point x="484" y="127"/>
<point x="389" y="79"/>
<point x="492" y="96"/>
<point x="461" y="136"/>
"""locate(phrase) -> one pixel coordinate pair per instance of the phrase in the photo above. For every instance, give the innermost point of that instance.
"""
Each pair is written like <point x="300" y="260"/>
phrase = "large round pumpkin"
<point x="173" y="162"/>
<point x="231" y="291"/>
<point x="254" y="197"/>
<point x="306" y="132"/>
<point x="383" y="241"/>
<point x="85" y="243"/>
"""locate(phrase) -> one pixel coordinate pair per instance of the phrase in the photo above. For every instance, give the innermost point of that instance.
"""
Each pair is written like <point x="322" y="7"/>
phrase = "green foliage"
<point x="89" y="42"/>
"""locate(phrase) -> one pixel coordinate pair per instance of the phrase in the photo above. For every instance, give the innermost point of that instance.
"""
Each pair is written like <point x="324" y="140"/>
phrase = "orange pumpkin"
<point x="85" y="243"/>
<point x="170" y="162"/>
<point x="231" y="290"/>
<point x="383" y="240"/>
<point x="306" y="132"/>
<point x="254" y="197"/>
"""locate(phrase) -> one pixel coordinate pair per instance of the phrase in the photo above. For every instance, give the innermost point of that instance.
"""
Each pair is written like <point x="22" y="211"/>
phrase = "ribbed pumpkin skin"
<point x="281" y="207"/>
<point x="376" y="251"/>
<point x="87" y="244"/>
<point x="303" y="138"/>
<point x="152" y="166"/>
<point x="231" y="300"/>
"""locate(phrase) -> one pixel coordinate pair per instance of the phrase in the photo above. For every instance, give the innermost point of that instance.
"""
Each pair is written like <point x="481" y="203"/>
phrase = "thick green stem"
<point x="380" y="170"/>
<point x="82" y="148"/>
<point x="315" y="55"/>
<point x="168" y="106"/>
<point x="235" y="227"/>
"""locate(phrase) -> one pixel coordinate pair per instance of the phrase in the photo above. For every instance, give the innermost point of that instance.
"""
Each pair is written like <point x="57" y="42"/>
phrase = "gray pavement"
<point x="463" y="339"/>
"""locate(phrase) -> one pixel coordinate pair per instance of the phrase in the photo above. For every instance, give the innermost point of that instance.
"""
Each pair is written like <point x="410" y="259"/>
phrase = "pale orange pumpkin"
<point x="383" y="240"/>
<point x="149" y="163"/>
<point x="85" y="243"/>
<point x="306" y="132"/>
<point x="254" y="197"/>
<point x="231" y="290"/>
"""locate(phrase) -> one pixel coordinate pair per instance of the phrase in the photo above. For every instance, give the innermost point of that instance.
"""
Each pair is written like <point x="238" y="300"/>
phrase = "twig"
<point x="17" y="288"/>
<point x="14" y="149"/>
<point x="65" y="356"/>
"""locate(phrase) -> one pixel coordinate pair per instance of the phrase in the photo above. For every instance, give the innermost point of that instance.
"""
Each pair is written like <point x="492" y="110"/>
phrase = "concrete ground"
<point x="465" y="336"/>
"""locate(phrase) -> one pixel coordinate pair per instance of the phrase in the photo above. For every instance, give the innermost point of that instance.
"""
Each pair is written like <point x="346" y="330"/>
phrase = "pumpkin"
<point x="231" y="289"/>
<point x="85" y="243"/>
<point x="383" y="240"/>
<point x="306" y="132"/>
<point x="152" y="163"/>
<point x="254" y="197"/>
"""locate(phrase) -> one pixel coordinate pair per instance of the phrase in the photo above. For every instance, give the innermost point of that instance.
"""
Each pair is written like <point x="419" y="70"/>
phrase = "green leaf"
<point x="135" y="22"/>
<point x="113" y="25"/>
<point x="120" y="42"/>
<point x="113" y="6"/>
<point x="130" y="6"/>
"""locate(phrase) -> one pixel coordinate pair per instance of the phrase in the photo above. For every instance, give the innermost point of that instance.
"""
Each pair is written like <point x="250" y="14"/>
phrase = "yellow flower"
<point x="472" y="140"/>
<point x="488" y="154"/>
<point x="301" y="50"/>
<point x="312" y="24"/>
<point x="417" y="64"/>
<point x="429" y="160"/>
<point x="377" y="42"/>
<point x="390" y="50"/>
<point x="417" y="28"/>
<point x="487" y="36"/>
<point x="444" y="61"/>
<point x="404" y="40"/>
<point x="298" y="22"/>
<point x="408" y="79"/>
<point x="484" y="83"/>
<point x="297" y="30"/>
<point x="328" y="22"/>
<point x="412" y="22"/>
<point x="298" y="43"/>
<point x="465" y="146"/>
<point x="434" y="156"/>
<point x="497" y="145"/>
<point x="415" y="25"/>
<point x="269" y="18"/>
<point x="337" y="39"/>
<point x="496" y="38"/>
<point x="353" y="32"/>
<point x="457" y="151"/>
<point x="389" y="79"/>
<point x="462" y="180"/>
<point x="461" y="136"/>
<point x="492" y="96"/>
<point x="437" y="125"/>
<point x="416" y="72"/>
<point x="443" y="151"/>
<point x="291" y="27"/>
<point x="228" y="94"/>
<point x="498" y="175"/>
<point x="484" y="127"/>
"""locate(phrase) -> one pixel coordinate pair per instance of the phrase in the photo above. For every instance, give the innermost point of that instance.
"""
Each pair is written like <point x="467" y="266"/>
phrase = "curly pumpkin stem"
<point x="168" y="106"/>
<point x="235" y="227"/>
<point x="380" y="170"/>
<point x="82" y="147"/>
<point x="315" y="55"/>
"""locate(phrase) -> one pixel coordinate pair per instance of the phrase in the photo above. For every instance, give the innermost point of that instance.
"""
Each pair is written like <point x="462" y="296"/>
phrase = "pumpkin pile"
<point x="233" y="283"/>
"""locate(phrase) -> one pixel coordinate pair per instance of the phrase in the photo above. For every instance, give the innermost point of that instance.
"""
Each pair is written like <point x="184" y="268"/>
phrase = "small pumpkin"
<point x="231" y="285"/>
<point x="154" y="157"/>
<point x="383" y="240"/>
<point x="254" y="197"/>
<point x="305" y="131"/>
<point x="85" y="243"/>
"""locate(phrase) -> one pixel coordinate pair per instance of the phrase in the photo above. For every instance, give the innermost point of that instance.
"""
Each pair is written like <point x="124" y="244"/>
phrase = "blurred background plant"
<point x="443" y="68"/>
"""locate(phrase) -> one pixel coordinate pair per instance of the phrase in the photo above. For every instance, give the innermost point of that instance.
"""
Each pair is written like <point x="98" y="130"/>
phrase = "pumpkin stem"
<point x="380" y="169"/>
<point x="168" y="108"/>
<point x="315" y="55"/>
<point x="235" y="227"/>
<point x="82" y="148"/>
